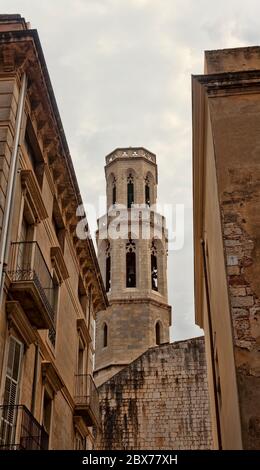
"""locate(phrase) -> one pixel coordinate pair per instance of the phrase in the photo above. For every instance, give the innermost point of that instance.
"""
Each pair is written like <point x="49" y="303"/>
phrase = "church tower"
<point x="132" y="253"/>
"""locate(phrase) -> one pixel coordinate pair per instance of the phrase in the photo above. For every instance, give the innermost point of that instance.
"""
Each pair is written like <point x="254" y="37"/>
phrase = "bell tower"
<point x="132" y="253"/>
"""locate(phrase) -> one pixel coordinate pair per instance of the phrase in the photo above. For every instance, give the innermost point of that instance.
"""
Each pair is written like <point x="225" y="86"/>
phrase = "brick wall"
<point x="159" y="401"/>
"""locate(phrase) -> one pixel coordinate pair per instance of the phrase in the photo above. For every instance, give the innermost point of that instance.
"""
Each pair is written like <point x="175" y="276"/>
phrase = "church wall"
<point x="159" y="401"/>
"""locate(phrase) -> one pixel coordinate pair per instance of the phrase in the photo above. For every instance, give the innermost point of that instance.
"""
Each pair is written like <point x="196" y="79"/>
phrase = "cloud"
<point x="121" y="74"/>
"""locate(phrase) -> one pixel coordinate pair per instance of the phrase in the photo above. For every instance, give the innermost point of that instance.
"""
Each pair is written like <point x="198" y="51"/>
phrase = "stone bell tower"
<point x="132" y="253"/>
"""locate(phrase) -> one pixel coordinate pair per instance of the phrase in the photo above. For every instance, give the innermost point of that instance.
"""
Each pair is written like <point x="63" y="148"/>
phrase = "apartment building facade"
<point x="51" y="286"/>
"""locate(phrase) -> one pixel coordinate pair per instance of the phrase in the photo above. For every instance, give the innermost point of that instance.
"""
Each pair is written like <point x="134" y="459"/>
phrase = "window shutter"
<point x="11" y="391"/>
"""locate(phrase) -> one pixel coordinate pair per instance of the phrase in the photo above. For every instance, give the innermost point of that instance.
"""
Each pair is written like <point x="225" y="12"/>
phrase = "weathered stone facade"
<point x="159" y="401"/>
<point x="226" y="120"/>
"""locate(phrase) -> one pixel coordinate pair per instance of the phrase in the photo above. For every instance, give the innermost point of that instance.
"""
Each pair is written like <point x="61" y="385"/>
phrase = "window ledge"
<point x="83" y="331"/>
<point x="18" y="320"/>
<point x="51" y="376"/>
<point x="33" y="199"/>
<point x="59" y="263"/>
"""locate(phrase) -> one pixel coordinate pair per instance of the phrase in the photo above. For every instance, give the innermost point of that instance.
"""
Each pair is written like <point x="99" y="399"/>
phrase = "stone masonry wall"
<point x="159" y="401"/>
<point x="235" y="121"/>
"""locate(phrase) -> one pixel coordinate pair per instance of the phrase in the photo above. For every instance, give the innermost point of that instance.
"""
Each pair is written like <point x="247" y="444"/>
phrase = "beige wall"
<point x="227" y="402"/>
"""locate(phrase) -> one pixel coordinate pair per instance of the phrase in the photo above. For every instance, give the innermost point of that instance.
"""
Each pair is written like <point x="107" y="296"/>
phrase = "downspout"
<point x="11" y="186"/>
<point x="211" y="346"/>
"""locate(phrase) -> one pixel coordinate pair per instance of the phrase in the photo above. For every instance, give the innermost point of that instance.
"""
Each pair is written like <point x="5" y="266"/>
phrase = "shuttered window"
<point x="11" y="392"/>
<point x="13" y="372"/>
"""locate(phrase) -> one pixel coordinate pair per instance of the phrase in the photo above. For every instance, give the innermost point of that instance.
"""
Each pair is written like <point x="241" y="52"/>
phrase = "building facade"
<point x="132" y="253"/>
<point x="51" y="286"/>
<point x="226" y="172"/>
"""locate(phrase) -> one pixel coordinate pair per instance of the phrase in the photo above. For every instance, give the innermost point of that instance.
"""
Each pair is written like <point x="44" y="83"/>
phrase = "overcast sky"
<point x="121" y="72"/>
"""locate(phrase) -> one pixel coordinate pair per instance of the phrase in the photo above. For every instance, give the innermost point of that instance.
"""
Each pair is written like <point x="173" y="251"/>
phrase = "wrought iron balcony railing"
<point x="86" y="399"/>
<point x="19" y="430"/>
<point x="32" y="283"/>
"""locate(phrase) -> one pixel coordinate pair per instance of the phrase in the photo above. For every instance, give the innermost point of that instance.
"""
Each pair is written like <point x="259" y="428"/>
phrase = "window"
<point x="34" y="153"/>
<point x="158" y="333"/>
<point x="147" y="192"/>
<point x="114" y="192"/>
<point x="80" y="441"/>
<point x="30" y="151"/>
<point x="130" y="191"/>
<point x="23" y="248"/>
<point x="13" y="371"/>
<point x="46" y="421"/>
<point x="55" y="303"/>
<point x="105" y="334"/>
<point x="58" y="225"/>
<point x="108" y="268"/>
<point x="154" y="269"/>
<point x="81" y="358"/>
<point x="11" y="392"/>
<point x="82" y="295"/>
<point x="130" y="264"/>
<point x="108" y="273"/>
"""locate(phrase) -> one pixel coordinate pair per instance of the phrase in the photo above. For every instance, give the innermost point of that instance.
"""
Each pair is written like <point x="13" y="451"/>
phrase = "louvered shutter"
<point x="11" y="390"/>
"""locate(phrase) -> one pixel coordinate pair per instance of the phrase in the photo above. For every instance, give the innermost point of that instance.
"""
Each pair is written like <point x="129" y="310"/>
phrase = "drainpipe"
<point x="9" y="201"/>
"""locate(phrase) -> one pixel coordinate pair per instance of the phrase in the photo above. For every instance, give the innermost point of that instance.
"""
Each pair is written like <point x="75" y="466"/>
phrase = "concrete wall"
<point x="159" y="401"/>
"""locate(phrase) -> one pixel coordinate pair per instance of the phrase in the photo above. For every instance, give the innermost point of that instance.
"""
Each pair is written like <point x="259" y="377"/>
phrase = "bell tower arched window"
<point x="105" y="334"/>
<point x="147" y="192"/>
<point x="114" y="192"/>
<point x="108" y="268"/>
<point x="130" y="264"/>
<point x="130" y="190"/>
<point x="158" y="333"/>
<point x="154" y="268"/>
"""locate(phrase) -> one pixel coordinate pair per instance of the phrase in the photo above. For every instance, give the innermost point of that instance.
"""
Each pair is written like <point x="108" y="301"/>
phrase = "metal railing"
<point x="27" y="264"/>
<point x="19" y="430"/>
<point x="86" y="394"/>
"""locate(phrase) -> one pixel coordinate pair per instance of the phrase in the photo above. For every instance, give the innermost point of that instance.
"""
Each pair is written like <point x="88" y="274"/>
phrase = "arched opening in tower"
<point x="130" y="269"/>
<point x="130" y="191"/>
<point x="154" y="272"/>
<point x="114" y="193"/>
<point x="105" y="335"/>
<point x="108" y="273"/>
<point x="158" y="333"/>
<point x="147" y="192"/>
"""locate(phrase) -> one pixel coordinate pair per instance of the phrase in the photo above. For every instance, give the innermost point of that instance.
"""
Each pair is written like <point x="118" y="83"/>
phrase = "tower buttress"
<point x="132" y="253"/>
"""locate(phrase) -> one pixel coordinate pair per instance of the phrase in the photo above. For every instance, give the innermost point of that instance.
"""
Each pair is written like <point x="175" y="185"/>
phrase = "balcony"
<point x="19" y="430"/>
<point x="86" y="399"/>
<point x="32" y="284"/>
